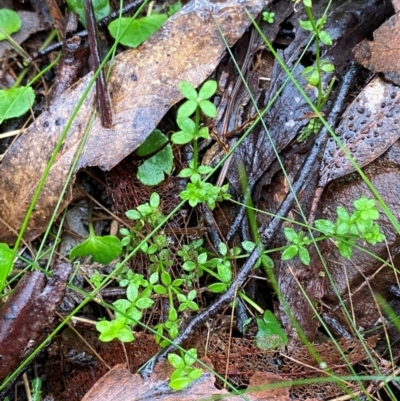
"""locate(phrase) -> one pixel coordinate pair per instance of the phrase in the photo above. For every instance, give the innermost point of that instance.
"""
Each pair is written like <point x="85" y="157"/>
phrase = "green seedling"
<point x="103" y="249"/>
<point x="313" y="74"/>
<point x="298" y="247"/>
<point x="184" y="372"/>
<point x="151" y="172"/>
<point x="136" y="31"/>
<point x="270" y="334"/>
<point x="350" y="228"/>
<point x="101" y="9"/>
<point x="10" y="22"/>
<point x="197" y="191"/>
<point x="268" y="17"/>
<point x="36" y="389"/>
<point x="345" y="232"/>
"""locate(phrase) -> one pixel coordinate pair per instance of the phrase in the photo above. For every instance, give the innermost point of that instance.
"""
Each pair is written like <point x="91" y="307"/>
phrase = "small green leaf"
<point x="137" y="31"/>
<point x="225" y="273"/>
<point x="101" y="9"/>
<point x="160" y="289"/>
<point x="204" y="169"/>
<point x="151" y="172"/>
<point x="306" y="25"/>
<point x="189" y="266"/>
<point x="313" y="78"/>
<point x="186" y="124"/>
<point x="103" y="249"/>
<point x="208" y="108"/>
<point x="223" y="249"/>
<point x="190" y="357"/>
<point x="304" y="255"/>
<point x="290" y="252"/>
<point x="176" y="361"/>
<point x="188" y="90"/>
<point x="187" y="109"/>
<point x="217" y="287"/>
<point x="248" y="246"/>
<point x="180" y="384"/>
<point x="325" y="226"/>
<point x="203" y="133"/>
<point x="172" y="315"/>
<point x="10" y="22"/>
<point x="181" y="137"/>
<point x="327" y="67"/>
<point x="15" y="102"/>
<point x="307" y="3"/>
<point x="270" y="334"/>
<point x="125" y="335"/>
<point x="195" y="374"/>
<point x="133" y="215"/>
<point x="132" y="293"/>
<point x="144" y="303"/>
<point x="290" y="234"/>
<point x="207" y="90"/>
<point x="166" y="278"/>
<point x="345" y="249"/>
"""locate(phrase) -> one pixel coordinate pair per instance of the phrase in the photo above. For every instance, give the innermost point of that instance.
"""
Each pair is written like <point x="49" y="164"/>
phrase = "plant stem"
<point x="317" y="57"/>
<point x="195" y="143"/>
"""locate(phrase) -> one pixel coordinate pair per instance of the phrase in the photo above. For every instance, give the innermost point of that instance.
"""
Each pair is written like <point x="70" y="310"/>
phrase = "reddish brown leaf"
<point x="370" y="125"/>
<point x="119" y="384"/>
<point x="28" y="314"/>
<point x="143" y="85"/>
<point x="383" y="53"/>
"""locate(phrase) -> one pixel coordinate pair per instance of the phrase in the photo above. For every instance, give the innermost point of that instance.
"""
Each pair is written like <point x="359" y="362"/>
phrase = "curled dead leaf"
<point x="143" y="85"/>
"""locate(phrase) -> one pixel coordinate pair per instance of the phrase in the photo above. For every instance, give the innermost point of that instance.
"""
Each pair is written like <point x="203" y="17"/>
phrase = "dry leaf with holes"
<point x="369" y="126"/>
<point x="383" y="53"/>
<point x="143" y="85"/>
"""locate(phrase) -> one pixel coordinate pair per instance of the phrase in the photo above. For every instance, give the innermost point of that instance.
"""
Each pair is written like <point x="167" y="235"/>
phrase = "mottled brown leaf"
<point x="370" y="125"/>
<point x="143" y="85"/>
<point x="383" y="53"/>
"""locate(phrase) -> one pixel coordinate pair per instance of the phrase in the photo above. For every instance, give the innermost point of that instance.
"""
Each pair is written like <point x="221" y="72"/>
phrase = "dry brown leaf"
<point x="119" y="384"/>
<point x="370" y="125"/>
<point x="143" y="85"/>
<point x="383" y="53"/>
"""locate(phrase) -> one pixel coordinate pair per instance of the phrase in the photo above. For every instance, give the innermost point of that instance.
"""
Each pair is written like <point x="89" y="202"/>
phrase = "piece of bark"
<point x="143" y="85"/>
<point x="28" y="315"/>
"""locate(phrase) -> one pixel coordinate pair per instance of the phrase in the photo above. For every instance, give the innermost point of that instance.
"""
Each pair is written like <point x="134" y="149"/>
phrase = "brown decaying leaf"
<point x="383" y="53"/>
<point x="119" y="384"/>
<point x="28" y="314"/>
<point x="370" y="125"/>
<point x="143" y="85"/>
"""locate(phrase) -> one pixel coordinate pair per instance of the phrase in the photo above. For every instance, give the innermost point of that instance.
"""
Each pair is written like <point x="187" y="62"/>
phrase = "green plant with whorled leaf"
<point x="197" y="191"/>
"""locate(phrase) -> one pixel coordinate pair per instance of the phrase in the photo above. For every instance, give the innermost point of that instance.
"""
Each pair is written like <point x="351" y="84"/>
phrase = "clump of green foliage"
<point x="359" y="226"/>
